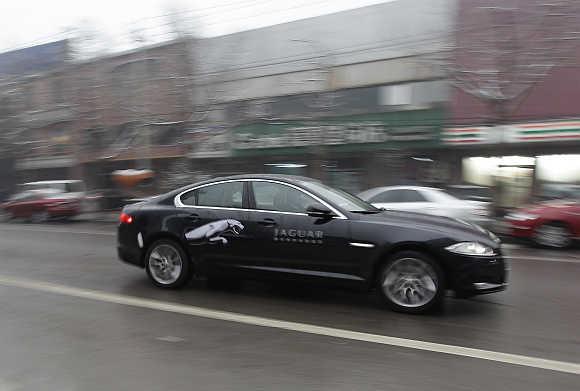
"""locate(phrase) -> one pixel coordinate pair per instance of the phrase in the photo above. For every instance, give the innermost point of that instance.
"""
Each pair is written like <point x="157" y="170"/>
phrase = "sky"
<point x="115" y="22"/>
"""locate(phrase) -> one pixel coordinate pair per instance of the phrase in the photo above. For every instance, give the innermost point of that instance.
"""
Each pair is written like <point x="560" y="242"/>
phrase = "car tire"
<point x="5" y="216"/>
<point x="411" y="282"/>
<point x="40" y="217"/>
<point x="167" y="264"/>
<point x="555" y="235"/>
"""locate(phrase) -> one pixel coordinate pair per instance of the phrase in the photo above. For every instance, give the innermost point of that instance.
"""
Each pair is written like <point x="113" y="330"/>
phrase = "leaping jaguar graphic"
<point x="211" y="233"/>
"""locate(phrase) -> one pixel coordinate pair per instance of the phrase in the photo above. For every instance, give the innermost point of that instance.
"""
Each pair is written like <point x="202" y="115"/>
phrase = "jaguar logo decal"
<point x="298" y="236"/>
<point x="211" y="233"/>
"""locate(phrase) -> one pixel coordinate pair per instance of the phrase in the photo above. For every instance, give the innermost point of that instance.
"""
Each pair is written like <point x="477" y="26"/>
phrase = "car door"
<point x="409" y="200"/>
<point x="214" y="223"/>
<point x="286" y="239"/>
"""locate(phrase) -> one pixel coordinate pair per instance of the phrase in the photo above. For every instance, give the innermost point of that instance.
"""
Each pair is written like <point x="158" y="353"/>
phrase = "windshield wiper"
<point x="366" y="212"/>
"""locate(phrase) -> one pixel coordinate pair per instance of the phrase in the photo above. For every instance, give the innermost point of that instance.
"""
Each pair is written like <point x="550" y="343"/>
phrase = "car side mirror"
<point x="319" y="211"/>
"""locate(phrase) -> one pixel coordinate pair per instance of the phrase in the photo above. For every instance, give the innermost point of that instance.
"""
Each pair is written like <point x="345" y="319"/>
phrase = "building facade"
<point x="533" y="142"/>
<point x="86" y="120"/>
<point x="318" y="97"/>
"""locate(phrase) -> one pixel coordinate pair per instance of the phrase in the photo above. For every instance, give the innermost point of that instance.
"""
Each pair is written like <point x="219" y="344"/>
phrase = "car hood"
<point x="543" y="207"/>
<point x="431" y="222"/>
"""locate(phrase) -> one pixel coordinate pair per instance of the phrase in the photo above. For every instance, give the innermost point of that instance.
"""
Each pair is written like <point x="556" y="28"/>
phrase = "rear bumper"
<point x="128" y="249"/>
<point x="129" y="255"/>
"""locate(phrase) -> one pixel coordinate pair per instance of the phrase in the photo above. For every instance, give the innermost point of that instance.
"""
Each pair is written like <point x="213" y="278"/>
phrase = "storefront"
<point x="351" y="152"/>
<point x="518" y="161"/>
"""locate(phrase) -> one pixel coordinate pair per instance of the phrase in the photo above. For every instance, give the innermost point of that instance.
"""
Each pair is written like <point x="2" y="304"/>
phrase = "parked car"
<point x="551" y="224"/>
<point x="71" y="189"/>
<point x="428" y="200"/>
<point x="471" y="192"/>
<point x="41" y="205"/>
<point x="277" y="226"/>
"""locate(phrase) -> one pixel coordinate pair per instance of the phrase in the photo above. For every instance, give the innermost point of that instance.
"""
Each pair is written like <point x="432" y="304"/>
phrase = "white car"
<point x="428" y="200"/>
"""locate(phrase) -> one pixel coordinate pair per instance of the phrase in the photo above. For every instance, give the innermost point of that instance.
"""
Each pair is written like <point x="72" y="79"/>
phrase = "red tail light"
<point x="125" y="218"/>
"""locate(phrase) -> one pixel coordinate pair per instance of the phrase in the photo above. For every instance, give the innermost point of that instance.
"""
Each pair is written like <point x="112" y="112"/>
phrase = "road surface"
<point x="75" y="318"/>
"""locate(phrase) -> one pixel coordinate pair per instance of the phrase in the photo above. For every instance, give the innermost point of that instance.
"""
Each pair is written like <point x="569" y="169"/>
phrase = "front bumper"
<point x="518" y="228"/>
<point x="63" y="211"/>
<point x="478" y="275"/>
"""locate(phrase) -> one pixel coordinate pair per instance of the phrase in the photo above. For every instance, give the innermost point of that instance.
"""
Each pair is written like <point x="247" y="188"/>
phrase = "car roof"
<point x="418" y="188"/>
<point x="293" y="179"/>
<point x="278" y="177"/>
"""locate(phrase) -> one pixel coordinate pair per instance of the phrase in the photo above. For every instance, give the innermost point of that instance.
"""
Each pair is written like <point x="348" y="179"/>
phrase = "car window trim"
<point x="177" y="199"/>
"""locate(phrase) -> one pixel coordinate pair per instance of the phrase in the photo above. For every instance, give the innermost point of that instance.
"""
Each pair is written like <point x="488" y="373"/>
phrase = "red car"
<point x="41" y="205"/>
<point x="551" y="224"/>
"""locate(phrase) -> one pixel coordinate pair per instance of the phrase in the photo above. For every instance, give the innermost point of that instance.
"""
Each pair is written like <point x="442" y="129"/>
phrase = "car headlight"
<point x="521" y="216"/>
<point x="471" y="248"/>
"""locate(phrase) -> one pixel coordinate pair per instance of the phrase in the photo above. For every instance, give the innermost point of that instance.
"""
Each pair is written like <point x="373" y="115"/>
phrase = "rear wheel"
<point x="411" y="282"/>
<point x="167" y="264"/>
<point x="553" y="235"/>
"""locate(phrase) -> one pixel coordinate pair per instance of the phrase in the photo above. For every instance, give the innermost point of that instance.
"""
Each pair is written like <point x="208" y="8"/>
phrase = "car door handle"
<point x="268" y="222"/>
<point x="192" y="217"/>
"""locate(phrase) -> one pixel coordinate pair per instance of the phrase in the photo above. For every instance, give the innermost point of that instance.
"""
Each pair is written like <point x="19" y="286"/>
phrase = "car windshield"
<point x="341" y="198"/>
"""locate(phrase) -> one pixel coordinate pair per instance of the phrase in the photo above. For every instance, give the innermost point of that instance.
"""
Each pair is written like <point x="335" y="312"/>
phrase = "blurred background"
<point x="112" y="102"/>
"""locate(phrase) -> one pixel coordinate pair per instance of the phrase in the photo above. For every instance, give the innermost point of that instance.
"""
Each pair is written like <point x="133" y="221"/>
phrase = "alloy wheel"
<point x="552" y="235"/>
<point x="165" y="264"/>
<point x="410" y="282"/>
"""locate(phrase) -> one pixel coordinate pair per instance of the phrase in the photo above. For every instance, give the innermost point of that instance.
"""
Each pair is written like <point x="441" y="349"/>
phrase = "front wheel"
<point x="39" y="217"/>
<point x="167" y="264"/>
<point x="553" y="235"/>
<point x="411" y="282"/>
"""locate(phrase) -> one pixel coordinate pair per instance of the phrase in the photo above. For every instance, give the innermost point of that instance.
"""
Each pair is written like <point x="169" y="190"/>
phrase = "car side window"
<point x="281" y="198"/>
<point x="398" y="195"/>
<point x="414" y="196"/>
<point x="389" y="196"/>
<point x="227" y="195"/>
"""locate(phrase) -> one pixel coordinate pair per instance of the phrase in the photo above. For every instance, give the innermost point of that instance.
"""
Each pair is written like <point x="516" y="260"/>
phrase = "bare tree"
<point x="502" y="48"/>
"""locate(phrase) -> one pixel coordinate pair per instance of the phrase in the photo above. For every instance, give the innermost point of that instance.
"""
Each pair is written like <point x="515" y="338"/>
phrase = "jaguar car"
<point x="276" y="226"/>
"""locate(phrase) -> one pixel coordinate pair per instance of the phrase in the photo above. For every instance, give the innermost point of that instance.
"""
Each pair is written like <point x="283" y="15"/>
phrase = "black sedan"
<point x="293" y="227"/>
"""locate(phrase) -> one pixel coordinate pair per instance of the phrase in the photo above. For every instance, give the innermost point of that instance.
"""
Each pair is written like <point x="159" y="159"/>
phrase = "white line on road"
<point x="515" y="359"/>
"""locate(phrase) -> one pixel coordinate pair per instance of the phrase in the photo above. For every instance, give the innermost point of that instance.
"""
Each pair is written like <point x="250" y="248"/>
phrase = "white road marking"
<point x="515" y="359"/>
<point x="170" y="338"/>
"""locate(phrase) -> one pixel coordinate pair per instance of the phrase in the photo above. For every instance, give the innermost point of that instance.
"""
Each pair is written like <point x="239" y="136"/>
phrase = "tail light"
<point x="125" y="218"/>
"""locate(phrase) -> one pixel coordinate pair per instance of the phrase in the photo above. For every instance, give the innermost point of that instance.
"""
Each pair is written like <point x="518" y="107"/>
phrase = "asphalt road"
<point x="75" y="318"/>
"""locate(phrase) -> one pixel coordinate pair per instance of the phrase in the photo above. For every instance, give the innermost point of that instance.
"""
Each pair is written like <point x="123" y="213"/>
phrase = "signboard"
<point x="513" y="133"/>
<point x="465" y="136"/>
<point x="210" y="144"/>
<point x="381" y="129"/>
<point x="549" y="131"/>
